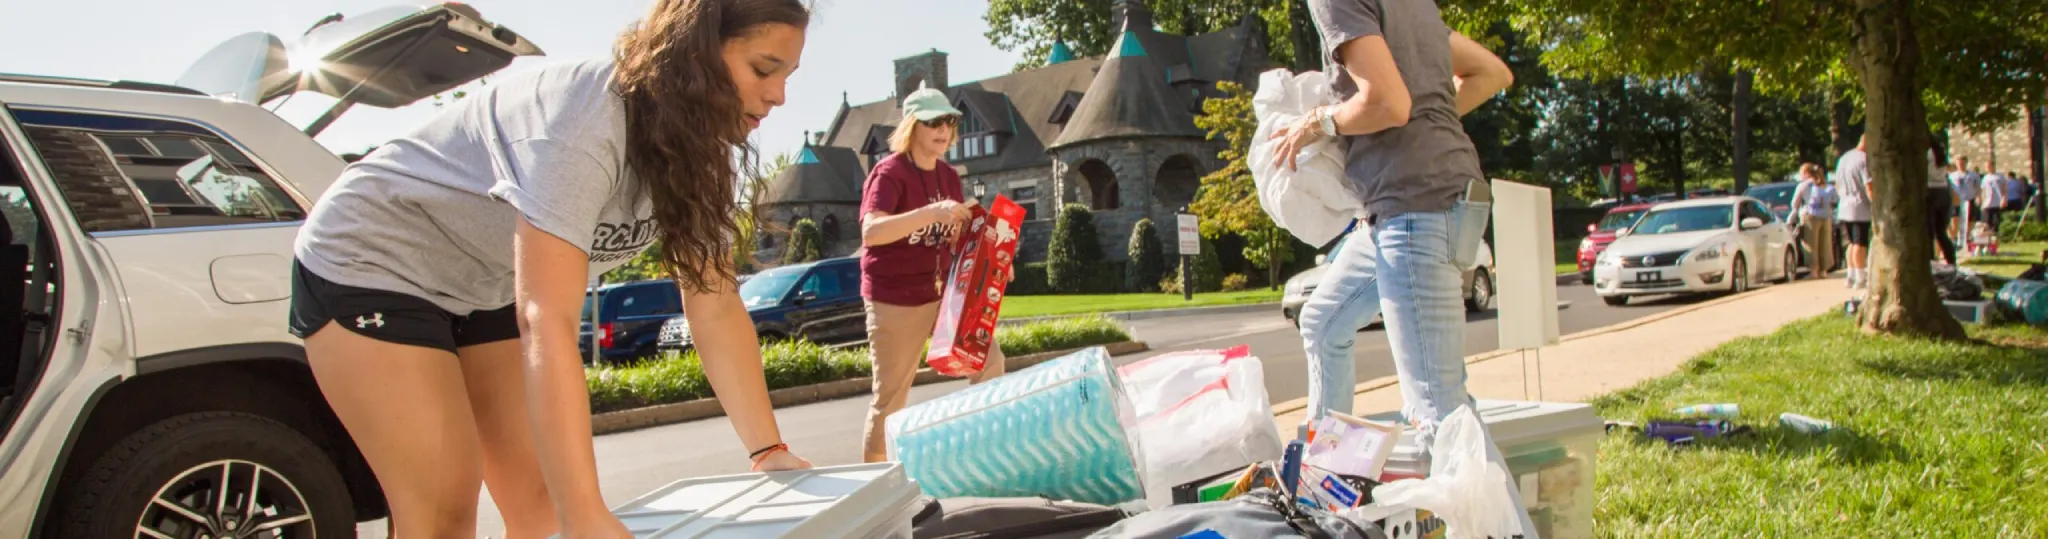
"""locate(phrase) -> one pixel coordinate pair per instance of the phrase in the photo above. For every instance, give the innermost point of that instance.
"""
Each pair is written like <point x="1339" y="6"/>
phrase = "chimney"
<point x="1126" y="15"/>
<point x="926" y="70"/>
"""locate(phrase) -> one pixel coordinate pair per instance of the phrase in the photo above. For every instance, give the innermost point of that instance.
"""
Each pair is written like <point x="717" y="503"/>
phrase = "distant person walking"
<point x="1940" y="207"/>
<point x="1963" y="184"/>
<point x="1852" y="185"/>
<point x="1813" y="209"/>
<point x="1991" y="197"/>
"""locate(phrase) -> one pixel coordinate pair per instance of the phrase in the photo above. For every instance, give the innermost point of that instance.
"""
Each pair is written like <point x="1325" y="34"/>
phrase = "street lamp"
<point x="980" y="192"/>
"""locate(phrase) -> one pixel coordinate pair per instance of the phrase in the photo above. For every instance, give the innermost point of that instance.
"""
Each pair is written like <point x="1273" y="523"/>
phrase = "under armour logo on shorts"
<point x="376" y="319"/>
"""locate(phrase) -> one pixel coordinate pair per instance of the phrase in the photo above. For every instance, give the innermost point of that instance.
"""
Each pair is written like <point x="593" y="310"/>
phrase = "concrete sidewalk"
<point x="1590" y="363"/>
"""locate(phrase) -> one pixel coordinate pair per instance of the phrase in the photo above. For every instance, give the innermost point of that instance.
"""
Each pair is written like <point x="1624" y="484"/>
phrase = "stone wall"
<point x="775" y="221"/>
<point x="1030" y="248"/>
<point x="1136" y="163"/>
<point x="2003" y="150"/>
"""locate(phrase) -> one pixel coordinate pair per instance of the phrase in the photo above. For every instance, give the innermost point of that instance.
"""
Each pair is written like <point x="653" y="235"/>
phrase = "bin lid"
<point x="1512" y="424"/>
<point x="842" y="501"/>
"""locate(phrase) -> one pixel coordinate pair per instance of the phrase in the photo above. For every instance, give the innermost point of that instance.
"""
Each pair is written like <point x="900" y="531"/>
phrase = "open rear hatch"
<point x="385" y="58"/>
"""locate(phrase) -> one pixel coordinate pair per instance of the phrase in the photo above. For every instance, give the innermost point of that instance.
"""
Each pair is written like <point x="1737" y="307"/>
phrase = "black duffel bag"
<point x="1010" y="518"/>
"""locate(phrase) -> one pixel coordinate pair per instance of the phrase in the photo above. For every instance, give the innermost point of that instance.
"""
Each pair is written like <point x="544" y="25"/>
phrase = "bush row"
<point x="680" y="377"/>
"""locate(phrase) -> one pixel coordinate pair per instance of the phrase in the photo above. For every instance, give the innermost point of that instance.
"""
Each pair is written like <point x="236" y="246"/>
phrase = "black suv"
<point x="627" y="317"/>
<point x="819" y="302"/>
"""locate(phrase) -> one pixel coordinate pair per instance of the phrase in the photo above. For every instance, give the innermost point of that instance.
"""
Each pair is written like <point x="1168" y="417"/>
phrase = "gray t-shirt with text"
<point x="432" y="214"/>
<point x="1422" y="166"/>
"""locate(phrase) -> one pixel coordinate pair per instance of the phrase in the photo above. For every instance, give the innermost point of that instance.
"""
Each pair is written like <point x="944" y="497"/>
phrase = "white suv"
<point x="148" y="386"/>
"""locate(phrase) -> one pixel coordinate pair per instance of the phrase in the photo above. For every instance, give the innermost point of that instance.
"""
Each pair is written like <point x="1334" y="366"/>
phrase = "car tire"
<point x="1480" y="297"/>
<point x="1791" y="266"/>
<point x="1586" y="277"/>
<point x="183" y="460"/>
<point x="1615" y="301"/>
<point x="1738" y="276"/>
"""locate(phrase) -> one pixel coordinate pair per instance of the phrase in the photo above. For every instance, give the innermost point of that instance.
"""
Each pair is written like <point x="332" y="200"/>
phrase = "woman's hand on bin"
<point x="781" y="460"/>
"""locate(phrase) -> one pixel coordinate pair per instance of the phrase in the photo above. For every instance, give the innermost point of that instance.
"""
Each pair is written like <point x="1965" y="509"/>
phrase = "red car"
<point x="1602" y="233"/>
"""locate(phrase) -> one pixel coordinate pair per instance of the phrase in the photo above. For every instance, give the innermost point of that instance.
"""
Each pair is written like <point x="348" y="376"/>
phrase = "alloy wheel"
<point x="1740" y="278"/>
<point x="227" y="499"/>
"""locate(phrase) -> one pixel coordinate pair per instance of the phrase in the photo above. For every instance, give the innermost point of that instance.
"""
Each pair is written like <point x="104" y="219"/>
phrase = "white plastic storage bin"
<point x="865" y="501"/>
<point x="1552" y="449"/>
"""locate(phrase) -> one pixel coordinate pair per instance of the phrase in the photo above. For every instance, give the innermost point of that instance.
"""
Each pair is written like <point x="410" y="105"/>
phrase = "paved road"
<point x="633" y="463"/>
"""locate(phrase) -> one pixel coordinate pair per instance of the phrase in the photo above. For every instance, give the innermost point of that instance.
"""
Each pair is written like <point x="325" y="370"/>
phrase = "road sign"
<point x="1190" y="234"/>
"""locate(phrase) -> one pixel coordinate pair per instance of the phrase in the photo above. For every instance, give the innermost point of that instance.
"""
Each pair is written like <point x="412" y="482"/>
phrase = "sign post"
<point x="1190" y="234"/>
<point x="591" y="301"/>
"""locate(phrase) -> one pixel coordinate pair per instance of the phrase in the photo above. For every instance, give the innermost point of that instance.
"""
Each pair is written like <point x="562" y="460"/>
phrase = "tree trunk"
<point x="1743" y="100"/>
<point x="2037" y="145"/>
<point x="1902" y="299"/>
<point x="1840" y="124"/>
<point x="1308" y="45"/>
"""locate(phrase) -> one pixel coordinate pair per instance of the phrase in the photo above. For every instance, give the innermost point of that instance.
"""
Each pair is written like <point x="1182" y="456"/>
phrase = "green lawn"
<point x="1029" y="306"/>
<point x="2012" y="258"/>
<point x="1933" y="440"/>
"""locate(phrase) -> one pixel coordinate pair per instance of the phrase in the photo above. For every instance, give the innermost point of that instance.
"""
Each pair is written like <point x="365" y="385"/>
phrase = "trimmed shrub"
<point x="1147" y="259"/>
<point x="1236" y="282"/>
<point x="1074" y="253"/>
<point x="1208" y="268"/>
<point x="806" y="243"/>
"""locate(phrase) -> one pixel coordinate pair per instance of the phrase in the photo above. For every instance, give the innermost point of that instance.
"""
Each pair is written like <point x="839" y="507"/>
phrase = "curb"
<point x="1128" y="316"/>
<point x="666" y="414"/>
<point x="1571" y="278"/>
<point x="1386" y="381"/>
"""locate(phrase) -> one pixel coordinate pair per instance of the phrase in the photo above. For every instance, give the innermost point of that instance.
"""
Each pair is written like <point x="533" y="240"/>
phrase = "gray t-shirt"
<point x="1422" y="166"/>
<point x="432" y="214"/>
<point x="1851" y="173"/>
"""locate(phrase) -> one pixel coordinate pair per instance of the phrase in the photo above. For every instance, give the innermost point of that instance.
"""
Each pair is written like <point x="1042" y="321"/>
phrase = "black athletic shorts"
<point x="390" y="316"/>
<point x="1858" y="232"/>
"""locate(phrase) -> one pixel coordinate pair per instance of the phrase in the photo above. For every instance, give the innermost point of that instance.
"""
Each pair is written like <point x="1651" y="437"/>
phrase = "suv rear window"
<point x="120" y="173"/>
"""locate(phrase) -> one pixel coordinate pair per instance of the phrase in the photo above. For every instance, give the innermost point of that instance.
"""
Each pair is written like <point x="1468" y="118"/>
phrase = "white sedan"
<point x="1720" y="244"/>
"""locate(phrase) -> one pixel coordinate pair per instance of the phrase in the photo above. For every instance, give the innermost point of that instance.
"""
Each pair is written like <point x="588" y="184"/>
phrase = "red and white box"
<point x="975" y="281"/>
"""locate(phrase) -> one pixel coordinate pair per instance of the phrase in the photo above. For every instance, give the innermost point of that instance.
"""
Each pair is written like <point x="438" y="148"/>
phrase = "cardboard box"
<point x="975" y="281"/>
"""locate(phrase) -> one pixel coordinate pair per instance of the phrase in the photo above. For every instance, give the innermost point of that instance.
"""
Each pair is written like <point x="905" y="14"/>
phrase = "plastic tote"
<point x="1060" y="430"/>
<point x="1551" y="449"/>
<point x="1200" y="413"/>
<point x="864" y="501"/>
<point x="2025" y="299"/>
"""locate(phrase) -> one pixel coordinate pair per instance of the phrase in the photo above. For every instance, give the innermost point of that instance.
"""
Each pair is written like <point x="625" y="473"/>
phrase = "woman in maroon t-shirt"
<point x="911" y="209"/>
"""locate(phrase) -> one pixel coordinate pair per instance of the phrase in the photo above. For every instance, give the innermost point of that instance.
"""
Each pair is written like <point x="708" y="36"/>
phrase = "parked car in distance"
<point x="1478" y="283"/>
<point x="818" y="302"/>
<point x="1598" y="235"/>
<point x="1715" y="244"/>
<point x="627" y="317"/>
<point x="1777" y="196"/>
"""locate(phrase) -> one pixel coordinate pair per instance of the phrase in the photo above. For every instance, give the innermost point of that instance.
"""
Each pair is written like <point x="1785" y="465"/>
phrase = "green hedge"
<point x="1030" y="281"/>
<point x="680" y="377"/>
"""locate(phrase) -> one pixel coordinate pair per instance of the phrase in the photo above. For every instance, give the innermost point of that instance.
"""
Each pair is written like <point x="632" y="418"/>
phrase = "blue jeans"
<point x="1409" y="273"/>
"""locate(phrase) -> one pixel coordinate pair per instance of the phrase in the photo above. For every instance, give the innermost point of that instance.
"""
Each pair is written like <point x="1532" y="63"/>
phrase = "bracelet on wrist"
<point x="764" y="452"/>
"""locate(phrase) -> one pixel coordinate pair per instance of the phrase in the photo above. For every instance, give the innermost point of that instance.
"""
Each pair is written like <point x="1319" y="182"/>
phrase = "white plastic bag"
<point x="1464" y="488"/>
<point x="1200" y="414"/>
<point x="1315" y="201"/>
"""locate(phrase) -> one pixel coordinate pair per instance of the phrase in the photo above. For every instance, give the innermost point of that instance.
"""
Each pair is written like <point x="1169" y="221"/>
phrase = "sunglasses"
<point x="942" y="121"/>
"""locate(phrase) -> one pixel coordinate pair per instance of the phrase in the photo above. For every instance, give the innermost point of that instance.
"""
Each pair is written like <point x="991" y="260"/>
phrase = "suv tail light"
<point x="604" y="335"/>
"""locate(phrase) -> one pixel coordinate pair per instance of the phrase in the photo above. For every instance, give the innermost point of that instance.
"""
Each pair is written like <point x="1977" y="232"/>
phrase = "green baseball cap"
<point x="927" y="104"/>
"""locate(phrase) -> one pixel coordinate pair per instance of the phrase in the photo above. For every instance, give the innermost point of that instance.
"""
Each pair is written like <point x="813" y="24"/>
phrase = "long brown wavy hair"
<point x="686" y="134"/>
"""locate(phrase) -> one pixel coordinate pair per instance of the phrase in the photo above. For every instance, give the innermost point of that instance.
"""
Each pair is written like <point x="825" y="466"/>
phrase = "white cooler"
<point x="863" y="501"/>
<point x="1552" y="450"/>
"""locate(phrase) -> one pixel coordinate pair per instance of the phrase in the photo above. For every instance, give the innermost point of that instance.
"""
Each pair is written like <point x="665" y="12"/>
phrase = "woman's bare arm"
<point x="550" y="279"/>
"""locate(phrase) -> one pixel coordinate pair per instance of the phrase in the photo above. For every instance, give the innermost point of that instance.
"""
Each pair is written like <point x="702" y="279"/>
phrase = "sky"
<point x="850" y="47"/>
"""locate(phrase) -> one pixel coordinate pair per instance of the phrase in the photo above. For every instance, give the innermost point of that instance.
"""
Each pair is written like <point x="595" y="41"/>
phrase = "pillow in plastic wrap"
<point x="1059" y="430"/>
<point x="1314" y="202"/>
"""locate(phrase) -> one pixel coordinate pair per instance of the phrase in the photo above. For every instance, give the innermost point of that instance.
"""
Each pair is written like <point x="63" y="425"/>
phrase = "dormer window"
<point x="1065" y="109"/>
